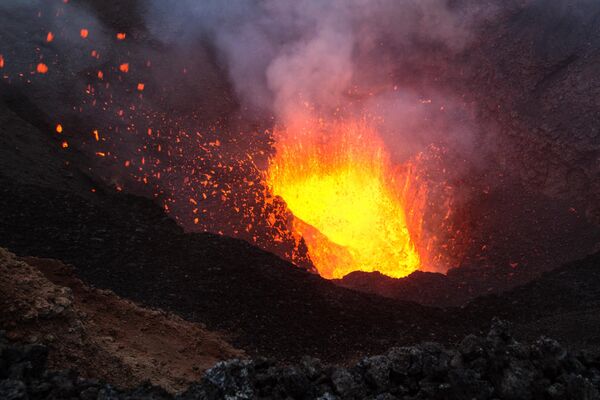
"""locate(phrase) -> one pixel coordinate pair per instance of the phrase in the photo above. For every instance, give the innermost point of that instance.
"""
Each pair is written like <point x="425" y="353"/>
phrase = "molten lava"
<point x="347" y="200"/>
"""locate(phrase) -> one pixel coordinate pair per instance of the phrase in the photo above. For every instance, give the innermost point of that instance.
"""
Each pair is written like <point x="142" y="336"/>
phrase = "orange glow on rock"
<point x="49" y="37"/>
<point x="84" y="33"/>
<point x="124" y="67"/>
<point x="140" y="87"/>
<point x="1" y="61"/>
<point x="121" y="36"/>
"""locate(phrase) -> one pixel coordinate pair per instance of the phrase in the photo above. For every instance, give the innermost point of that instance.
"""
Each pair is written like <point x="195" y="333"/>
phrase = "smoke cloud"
<point x="285" y="61"/>
<point x="216" y="74"/>
<point x="285" y="58"/>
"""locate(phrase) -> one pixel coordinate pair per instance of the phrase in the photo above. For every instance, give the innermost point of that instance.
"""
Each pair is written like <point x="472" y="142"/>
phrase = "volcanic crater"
<point x="255" y="199"/>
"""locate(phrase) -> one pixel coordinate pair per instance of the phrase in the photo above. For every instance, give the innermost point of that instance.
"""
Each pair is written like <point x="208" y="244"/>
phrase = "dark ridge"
<point x="564" y="302"/>
<point x="127" y="244"/>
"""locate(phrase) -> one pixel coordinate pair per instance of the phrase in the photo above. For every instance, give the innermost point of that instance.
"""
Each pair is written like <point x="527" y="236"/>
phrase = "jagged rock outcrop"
<point x="492" y="367"/>
<point x="495" y="366"/>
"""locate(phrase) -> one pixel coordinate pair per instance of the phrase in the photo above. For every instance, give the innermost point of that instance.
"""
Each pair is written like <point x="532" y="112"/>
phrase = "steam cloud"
<point x="283" y="55"/>
<point x="357" y="56"/>
<point x="398" y="61"/>
<point x="286" y="61"/>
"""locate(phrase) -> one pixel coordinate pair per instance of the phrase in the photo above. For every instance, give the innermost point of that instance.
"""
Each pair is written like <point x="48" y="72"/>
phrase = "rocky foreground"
<point x="98" y="333"/>
<point x="491" y="367"/>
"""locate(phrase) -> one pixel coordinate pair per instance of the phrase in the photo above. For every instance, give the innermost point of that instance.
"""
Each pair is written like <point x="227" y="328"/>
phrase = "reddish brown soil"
<point x="98" y="333"/>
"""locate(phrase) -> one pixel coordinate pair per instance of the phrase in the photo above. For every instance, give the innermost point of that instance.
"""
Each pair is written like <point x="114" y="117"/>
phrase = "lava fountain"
<point x="349" y="203"/>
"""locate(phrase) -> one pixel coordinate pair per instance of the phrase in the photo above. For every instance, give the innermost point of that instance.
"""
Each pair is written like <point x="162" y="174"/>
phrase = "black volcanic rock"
<point x="456" y="288"/>
<point x="502" y="368"/>
<point x="422" y="287"/>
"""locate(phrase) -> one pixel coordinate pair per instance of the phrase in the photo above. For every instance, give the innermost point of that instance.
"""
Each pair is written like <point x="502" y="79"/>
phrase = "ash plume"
<point x="187" y="122"/>
<point x="285" y="60"/>
<point x="286" y="57"/>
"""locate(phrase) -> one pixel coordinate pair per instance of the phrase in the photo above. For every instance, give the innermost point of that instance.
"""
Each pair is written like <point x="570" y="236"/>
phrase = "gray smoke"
<point x="285" y="59"/>
<point x="292" y="58"/>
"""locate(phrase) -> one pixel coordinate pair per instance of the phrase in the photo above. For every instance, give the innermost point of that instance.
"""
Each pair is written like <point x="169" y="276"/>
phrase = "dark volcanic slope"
<point x="564" y="302"/>
<point x="127" y="244"/>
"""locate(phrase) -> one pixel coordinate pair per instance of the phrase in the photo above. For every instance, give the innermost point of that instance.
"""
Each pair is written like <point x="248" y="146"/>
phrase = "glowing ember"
<point x="121" y="36"/>
<point x="42" y="68"/>
<point x="140" y="87"/>
<point x="124" y="67"/>
<point x="1" y="61"/>
<point x="59" y="128"/>
<point x="49" y="37"/>
<point x="347" y="201"/>
<point x="84" y="33"/>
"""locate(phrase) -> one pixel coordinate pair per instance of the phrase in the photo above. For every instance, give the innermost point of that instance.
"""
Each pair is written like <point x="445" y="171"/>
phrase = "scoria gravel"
<point x="492" y="367"/>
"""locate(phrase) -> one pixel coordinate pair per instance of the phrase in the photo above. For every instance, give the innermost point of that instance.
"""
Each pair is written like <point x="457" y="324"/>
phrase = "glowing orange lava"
<point x="347" y="200"/>
<point x="42" y="68"/>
